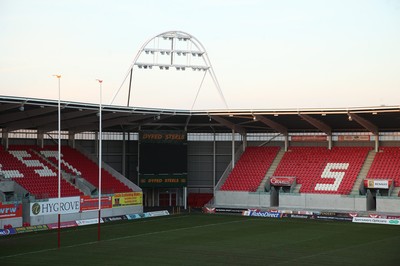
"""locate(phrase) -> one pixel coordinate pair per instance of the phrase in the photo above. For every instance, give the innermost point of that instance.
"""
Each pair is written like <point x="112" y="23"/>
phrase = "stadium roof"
<point x="39" y="114"/>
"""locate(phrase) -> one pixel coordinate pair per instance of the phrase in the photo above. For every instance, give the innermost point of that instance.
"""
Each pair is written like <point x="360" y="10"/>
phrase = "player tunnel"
<point x="374" y="188"/>
<point x="277" y="185"/>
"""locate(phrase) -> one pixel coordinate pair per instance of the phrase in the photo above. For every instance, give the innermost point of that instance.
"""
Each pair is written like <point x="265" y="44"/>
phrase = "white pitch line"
<point x="121" y="238"/>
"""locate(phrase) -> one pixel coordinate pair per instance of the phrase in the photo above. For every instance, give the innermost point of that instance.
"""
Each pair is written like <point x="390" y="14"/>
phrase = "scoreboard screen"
<point x="156" y="158"/>
<point x="163" y="152"/>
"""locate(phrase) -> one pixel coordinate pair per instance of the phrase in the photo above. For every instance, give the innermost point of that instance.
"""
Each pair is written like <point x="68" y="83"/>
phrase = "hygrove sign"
<point x="55" y="206"/>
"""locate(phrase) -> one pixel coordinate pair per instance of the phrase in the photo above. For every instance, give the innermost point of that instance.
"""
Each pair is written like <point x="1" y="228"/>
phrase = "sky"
<point x="266" y="54"/>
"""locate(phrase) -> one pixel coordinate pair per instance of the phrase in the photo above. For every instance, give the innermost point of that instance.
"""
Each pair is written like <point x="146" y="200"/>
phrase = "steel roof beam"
<point x="364" y="123"/>
<point x="22" y="115"/>
<point x="229" y="124"/>
<point x="110" y="123"/>
<point x="43" y="121"/>
<point x="317" y="123"/>
<point x="272" y="124"/>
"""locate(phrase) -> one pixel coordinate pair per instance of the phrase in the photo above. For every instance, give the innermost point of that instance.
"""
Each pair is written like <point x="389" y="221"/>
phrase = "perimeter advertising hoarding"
<point x="33" y="228"/>
<point x="147" y="215"/>
<point x="56" y="206"/>
<point x="115" y="218"/>
<point x="6" y="232"/>
<point x="62" y="225"/>
<point x="89" y="204"/>
<point x="89" y="221"/>
<point x="10" y="210"/>
<point x="370" y="220"/>
<point x="127" y="199"/>
<point x="262" y="214"/>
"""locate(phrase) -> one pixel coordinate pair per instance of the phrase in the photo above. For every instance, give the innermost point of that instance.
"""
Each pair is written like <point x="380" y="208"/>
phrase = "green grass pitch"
<point x="199" y="239"/>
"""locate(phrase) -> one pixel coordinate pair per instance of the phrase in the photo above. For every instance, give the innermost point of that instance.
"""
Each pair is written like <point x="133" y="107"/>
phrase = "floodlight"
<point x="194" y="49"/>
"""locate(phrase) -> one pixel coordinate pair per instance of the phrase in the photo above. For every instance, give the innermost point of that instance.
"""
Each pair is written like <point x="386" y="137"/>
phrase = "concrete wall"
<point x="302" y="201"/>
<point x="386" y="204"/>
<point x="322" y="201"/>
<point x="15" y="222"/>
<point x="242" y="199"/>
<point x="7" y="186"/>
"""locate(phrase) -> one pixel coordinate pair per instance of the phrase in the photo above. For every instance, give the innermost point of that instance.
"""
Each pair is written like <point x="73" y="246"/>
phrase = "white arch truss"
<point x="195" y="49"/>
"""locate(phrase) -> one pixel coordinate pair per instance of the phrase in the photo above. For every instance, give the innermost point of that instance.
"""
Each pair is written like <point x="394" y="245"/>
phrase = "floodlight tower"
<point x="163" y="51"/>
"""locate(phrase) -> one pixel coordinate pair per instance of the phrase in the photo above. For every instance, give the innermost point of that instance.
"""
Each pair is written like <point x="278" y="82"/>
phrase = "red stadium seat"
<point x="323" y="171"/>
<point x="251" y="168"/>
<point x="32" y="172"/>
<point x="386" y="165"/>
<point x="74" y="161"/>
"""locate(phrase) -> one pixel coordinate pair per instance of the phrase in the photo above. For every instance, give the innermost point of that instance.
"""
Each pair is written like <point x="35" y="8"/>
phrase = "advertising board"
<point x="147" y="215"/>
<point x="62" y="225"/>
<point x="6" y="232"/>
<point x="262" y="214"/>
<point x="370" y="220"/>
<point x="10" y="210"/>
<point x="282" y="181"/>
<point x="115" y="218"/>
<point x="89" y="221"/>
<point x="165" y="180"/>
<point x="89" y="204"/>
<point x="354" y="138"/>
<point x="376" y="183"/>
<point x="309" y="138"/>
<point x="33" y="228"/>
<point x="127" y="199"/>
<point x="55" y="206"/>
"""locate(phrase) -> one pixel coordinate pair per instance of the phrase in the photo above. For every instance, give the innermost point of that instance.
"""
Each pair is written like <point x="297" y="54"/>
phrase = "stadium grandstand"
<point x="314" y="159"/>
<point x="76" y="158"/>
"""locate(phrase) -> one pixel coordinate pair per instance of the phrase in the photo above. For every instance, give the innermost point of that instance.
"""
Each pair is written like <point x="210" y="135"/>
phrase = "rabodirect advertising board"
<point x="55" y="206"/>
<point x="262" y="214"/>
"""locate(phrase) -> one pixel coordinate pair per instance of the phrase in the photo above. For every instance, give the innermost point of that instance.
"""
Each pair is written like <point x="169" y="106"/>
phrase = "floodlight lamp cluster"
<point x="163" y="51"/>
<point x="169" y="48"/>
<point x="167" y="67"/>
